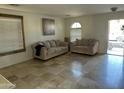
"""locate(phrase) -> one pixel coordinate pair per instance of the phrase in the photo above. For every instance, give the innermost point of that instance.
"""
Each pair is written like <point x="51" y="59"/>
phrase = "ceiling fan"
<point x="114" y="9"/>
<point x="14" y="4"/>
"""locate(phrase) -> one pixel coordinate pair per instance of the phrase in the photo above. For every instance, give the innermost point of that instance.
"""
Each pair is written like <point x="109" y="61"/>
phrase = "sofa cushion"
<point x="84" y="42"/>
<point x="60" y="49"/>
<point x="92" y="42"/>
<point x="81" y="48"/>
<point x="41" y="43"/>
<point x="57" y="42"/>
<point x="51" y="50"/>
<point x="52" y="43"/>
<point x="47" y="44"/>
<point x="78" y="42"/>
<point x="54" y="50"/>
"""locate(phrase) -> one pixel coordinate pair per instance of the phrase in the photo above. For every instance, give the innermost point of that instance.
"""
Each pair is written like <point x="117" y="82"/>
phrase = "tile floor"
<point x="69" y="71"/>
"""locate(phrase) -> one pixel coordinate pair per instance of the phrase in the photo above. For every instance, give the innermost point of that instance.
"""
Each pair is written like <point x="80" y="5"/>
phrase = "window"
<point x="76" y="25"/>
<point x="11" y="34"/>
<point x="75" y="32"/>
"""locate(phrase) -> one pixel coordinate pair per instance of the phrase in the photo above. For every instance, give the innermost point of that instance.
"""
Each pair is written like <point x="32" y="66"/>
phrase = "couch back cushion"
<point x="78" y="42"/>
<point x="41" y="43"/>
<point x="47" y="44"/>
<point x="85" y="42"/>
<point x="52" y="43"/>
<point x="57" y="42"/>
<point x="92" y="42"/>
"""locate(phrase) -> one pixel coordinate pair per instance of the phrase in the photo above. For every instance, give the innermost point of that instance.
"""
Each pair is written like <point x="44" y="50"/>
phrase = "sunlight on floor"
<point x="114" y="70"/>
<point x="116" y="51"/>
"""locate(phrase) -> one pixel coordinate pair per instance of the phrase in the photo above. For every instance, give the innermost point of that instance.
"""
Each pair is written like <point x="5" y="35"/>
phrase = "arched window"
<point x="75" y="32"/>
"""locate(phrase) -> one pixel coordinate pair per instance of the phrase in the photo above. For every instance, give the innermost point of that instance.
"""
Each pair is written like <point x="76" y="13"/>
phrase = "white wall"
<point x="86" y="22"/>
<point x="94" y="26"/>
<point x="33" y="33"/>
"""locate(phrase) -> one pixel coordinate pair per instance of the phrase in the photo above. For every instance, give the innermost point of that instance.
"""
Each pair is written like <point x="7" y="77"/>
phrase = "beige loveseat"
<point x="85" y="46"/>
<point x="49" y="49"/>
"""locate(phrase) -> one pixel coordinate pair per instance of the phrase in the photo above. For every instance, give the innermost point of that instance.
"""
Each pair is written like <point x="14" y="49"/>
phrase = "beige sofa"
<point x="49" y="49"/>
<point x="85" y="46"/>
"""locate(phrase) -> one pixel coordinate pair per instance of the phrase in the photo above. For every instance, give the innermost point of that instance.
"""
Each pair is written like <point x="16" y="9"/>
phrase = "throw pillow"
<point x="53" y="43"/>
<point x="57" y="42"/>
<point x="47" y="44"/>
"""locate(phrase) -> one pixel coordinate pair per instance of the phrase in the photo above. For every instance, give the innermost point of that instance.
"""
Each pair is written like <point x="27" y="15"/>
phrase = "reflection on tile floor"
<point x="116" y="51"/>
<point x="70" y="71"/>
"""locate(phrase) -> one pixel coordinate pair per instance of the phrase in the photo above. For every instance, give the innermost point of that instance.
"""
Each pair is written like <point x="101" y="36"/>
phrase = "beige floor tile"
<point x="68" y="71"/>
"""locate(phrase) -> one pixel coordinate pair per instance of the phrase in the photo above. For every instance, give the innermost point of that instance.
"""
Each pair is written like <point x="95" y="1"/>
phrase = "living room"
<point x="65" y="70"/>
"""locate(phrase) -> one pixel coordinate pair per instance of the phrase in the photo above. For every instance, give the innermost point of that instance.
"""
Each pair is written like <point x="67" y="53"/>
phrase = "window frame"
<point x="23" y="35"/>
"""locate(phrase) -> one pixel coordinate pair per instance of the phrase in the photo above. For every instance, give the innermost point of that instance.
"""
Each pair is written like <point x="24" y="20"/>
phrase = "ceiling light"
<point x="67" y="15"/>
<point x="114" y="9"/>
<point x="14" y="4"/>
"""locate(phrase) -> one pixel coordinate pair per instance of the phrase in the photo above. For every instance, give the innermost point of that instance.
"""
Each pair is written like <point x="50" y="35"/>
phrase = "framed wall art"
<point x="48" y="26"/>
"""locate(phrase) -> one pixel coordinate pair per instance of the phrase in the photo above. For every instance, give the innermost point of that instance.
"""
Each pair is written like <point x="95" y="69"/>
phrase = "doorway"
<point x="116" y="37"/>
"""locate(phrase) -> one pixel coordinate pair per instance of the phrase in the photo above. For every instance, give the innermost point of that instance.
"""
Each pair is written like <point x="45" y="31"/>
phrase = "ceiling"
<point x="65" y="10"/>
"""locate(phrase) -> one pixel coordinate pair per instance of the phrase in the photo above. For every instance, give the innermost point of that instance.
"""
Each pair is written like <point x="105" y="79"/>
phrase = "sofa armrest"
<point x="95" y="47"/>
<point x="43" y="52"/>
<point x="72" y="45"/>
<point x="33" y="48"/>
